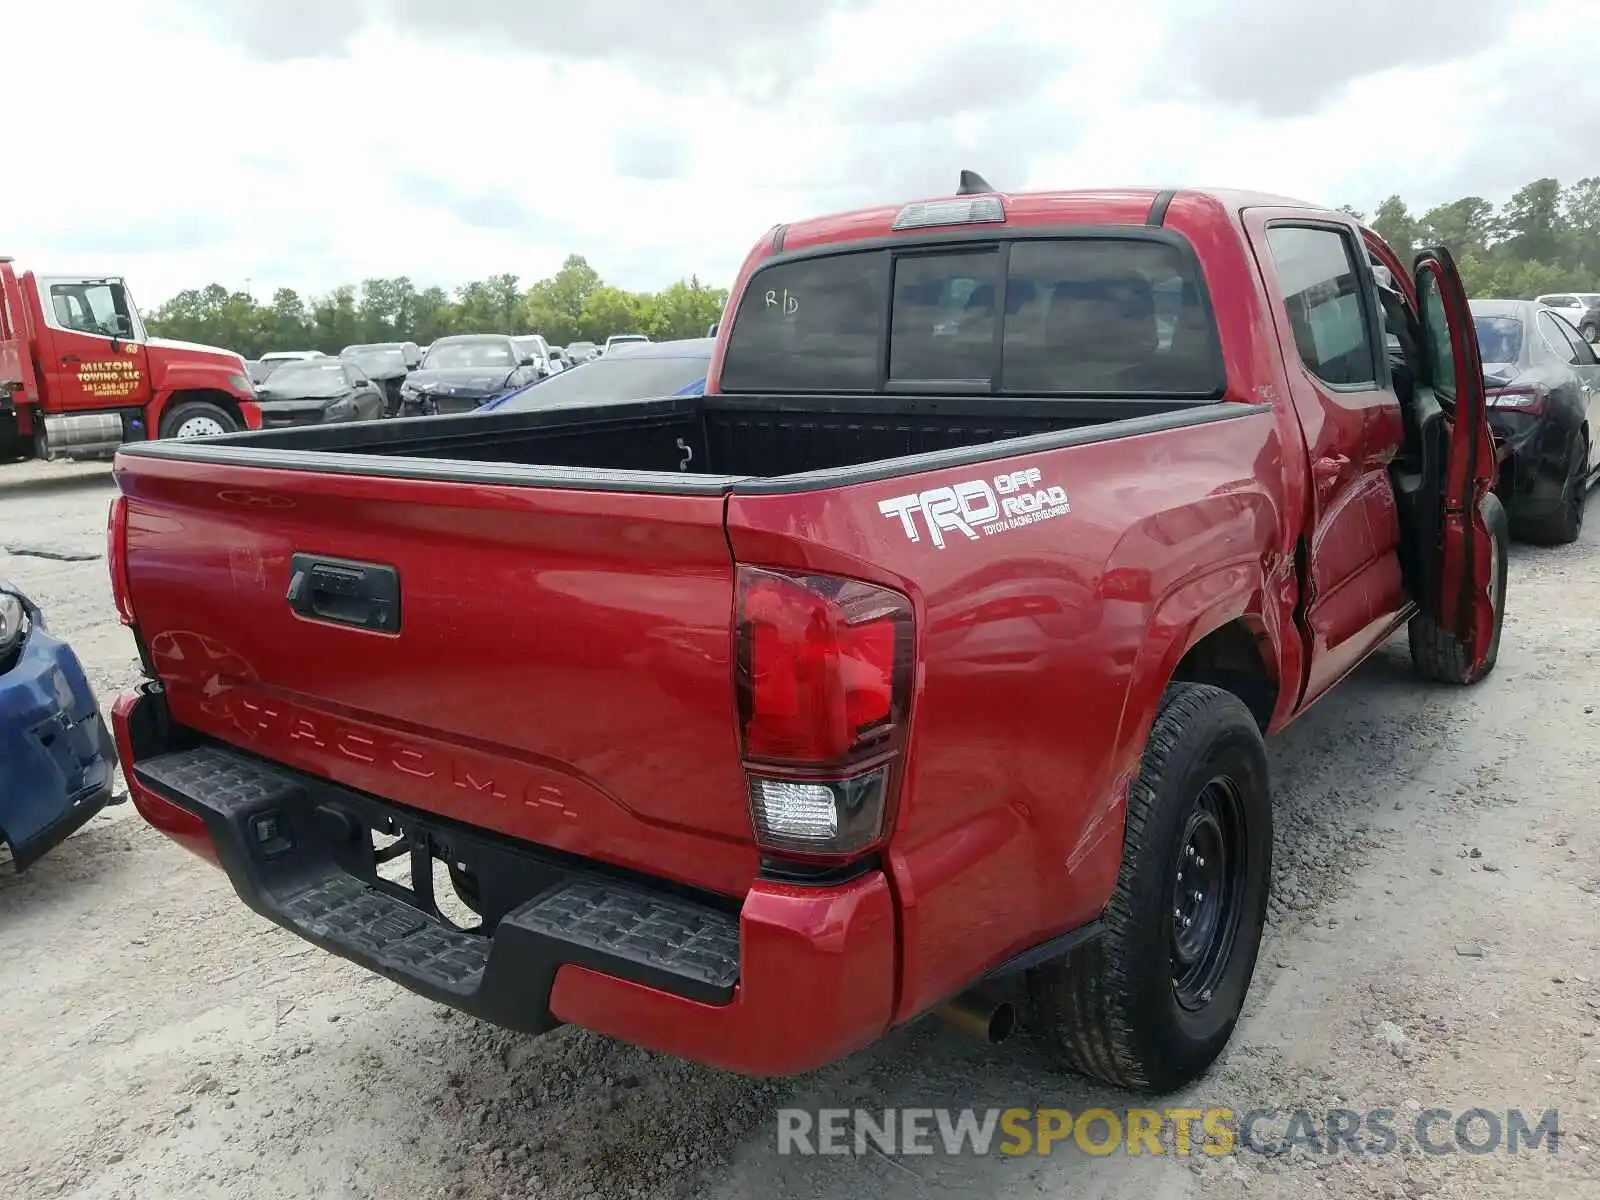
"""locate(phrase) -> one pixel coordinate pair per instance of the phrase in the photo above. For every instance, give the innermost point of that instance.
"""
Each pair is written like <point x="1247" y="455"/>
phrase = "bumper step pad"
<point x="659" y="932"/>
<point x="405" y="940"/>
<point x="621" y="928"/>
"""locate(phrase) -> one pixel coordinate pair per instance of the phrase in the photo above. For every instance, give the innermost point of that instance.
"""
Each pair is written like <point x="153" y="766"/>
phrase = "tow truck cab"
<point x="80" y="375"/>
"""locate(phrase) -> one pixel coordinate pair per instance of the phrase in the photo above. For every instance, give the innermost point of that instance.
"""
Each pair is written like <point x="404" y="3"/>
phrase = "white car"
<point x="282" y="356"/>
<point x="1580" y="308"/>
<point x="533" y="345"/>
<point x="622" y="339"/>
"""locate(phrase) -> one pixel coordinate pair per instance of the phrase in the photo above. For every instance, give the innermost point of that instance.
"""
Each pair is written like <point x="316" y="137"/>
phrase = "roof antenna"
<point x="973" y="184"/>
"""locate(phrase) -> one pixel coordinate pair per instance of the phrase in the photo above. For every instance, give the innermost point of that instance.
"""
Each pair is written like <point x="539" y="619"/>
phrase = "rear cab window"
<point x="1091" y="314"/>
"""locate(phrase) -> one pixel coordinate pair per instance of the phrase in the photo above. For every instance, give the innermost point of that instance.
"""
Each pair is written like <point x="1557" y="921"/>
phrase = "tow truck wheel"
<point x="1151" y="1003"/>
<point x="1437" y="654"/>
<point x="197" y="419"/>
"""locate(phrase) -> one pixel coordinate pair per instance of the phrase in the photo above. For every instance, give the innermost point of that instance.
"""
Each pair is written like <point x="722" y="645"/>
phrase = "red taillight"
<point x="1529" y="398"/>
<point x="117" y="558"/>
<point x="824" y="687"/>
<point x="824" y="666"/>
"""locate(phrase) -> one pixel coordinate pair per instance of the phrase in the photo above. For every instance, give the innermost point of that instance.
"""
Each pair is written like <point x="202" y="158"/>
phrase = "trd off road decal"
<point x="978" y="507"/>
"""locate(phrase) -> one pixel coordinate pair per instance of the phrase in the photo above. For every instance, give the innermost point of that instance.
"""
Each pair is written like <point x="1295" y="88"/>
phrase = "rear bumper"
<point x="1533" y="473"/>
<point x="56" y="757"/>
<point x="796" y="978"/>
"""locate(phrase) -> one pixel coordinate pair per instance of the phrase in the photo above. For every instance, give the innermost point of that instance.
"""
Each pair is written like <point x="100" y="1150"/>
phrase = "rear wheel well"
<point x="1230" y="658"/>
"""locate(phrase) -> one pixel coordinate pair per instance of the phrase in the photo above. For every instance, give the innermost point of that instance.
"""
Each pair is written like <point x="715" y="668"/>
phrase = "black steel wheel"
<point x="1208" y="893"/>
<point x="1152" y="1002"/>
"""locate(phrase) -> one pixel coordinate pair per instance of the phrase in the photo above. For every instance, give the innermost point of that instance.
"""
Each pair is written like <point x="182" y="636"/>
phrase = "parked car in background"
<point x="1581" y="308"/>
<point x="283" y="356"/>
<point x="636" y="372"/>
<point x="535" y="346"/>
<point x="581" y="352"/>
<point x="1542" y="381"/>
<point x="558" y="359"/>
<point x="622" y="339"/>
<point x="387" y="364"/>
<point x="317" y="390"/>
<point x="462" y="371"/>
<point x="57" y="760"/>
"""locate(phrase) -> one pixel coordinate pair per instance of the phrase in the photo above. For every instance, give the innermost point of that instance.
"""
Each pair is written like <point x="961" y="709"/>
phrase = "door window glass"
<point x="1437" y="348"/>
<point x="1325" y="298"/>
<point x="100" y="309"/>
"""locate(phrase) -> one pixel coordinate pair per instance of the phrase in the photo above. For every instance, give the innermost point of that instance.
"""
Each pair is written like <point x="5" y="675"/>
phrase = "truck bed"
<point x="697" y="445"/>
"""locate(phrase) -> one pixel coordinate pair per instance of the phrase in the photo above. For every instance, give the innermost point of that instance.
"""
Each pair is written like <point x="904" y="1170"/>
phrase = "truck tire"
<point x="197" y="418"/>
<point x="1562" y="526"/>
<point x="1150" y="1004"/>
<point x="1438" y="655"/>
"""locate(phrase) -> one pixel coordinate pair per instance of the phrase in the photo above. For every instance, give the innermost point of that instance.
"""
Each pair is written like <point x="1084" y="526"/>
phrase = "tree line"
<point x="1546" y="238"/>
<point x="574" y="304"/>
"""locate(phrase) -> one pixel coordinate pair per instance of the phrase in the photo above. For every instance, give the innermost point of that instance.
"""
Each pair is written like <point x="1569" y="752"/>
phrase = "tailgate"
<point x="555" y="665"/>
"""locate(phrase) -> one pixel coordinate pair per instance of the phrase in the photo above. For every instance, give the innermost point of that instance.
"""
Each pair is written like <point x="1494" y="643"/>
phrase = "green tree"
<point x="608" y="310"/>
<point x="1531" y="225"/>
<point x="1580" y="210"/>
<point x="1463" y="226"/>
<point x="555" y="305"/>
<point x="335" y="319"/>
<point x="684" y="310"/>
<point x="287" y="323"/>
<point x="1394" y="223"/>
<point x="492" y="305"/>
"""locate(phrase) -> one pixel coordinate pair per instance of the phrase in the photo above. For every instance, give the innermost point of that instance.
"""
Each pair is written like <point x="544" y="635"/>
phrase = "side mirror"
<point x="529" y="360"/>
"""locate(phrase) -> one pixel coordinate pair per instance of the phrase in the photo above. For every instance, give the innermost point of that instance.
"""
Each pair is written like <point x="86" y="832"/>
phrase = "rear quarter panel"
<point x="1043" y="648"/>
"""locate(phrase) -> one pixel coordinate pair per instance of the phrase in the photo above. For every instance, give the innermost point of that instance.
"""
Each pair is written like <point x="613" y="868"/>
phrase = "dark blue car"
<point x="628" y="371"/>
<point x="57" y="759"/>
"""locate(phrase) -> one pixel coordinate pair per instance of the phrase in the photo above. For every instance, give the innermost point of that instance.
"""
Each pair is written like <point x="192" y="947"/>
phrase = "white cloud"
<point x="312" y="144"/>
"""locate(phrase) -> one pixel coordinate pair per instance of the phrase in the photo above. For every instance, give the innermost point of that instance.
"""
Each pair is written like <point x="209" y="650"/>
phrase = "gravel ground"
<point x="1434" y="942"/>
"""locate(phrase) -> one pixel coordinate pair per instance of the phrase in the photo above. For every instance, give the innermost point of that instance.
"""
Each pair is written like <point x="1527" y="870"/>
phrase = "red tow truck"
<point x="924" y="663"/>
<point x="79" y="376"/>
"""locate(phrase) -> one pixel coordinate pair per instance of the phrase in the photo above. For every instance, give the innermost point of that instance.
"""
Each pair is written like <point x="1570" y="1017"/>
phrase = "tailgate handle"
<point x="344" y="592"/>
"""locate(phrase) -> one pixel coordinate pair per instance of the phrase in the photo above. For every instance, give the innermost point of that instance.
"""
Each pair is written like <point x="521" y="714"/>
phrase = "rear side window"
<point x="1562" y="343"/>
<point x="810" y="325"/>
<point x="1052" y="316"/>
<point x="1324" y="295"/>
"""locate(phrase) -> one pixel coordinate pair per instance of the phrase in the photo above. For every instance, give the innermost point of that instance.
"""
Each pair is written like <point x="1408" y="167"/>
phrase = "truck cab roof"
<point x="1088" y="206"/>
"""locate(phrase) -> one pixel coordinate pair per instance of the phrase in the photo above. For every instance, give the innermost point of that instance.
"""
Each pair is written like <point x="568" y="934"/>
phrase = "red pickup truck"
<point x="924" y="663"/>
<point x="79" y="376"/>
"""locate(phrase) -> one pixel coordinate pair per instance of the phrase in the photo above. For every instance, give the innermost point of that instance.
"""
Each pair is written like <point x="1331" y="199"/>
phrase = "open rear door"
<point x="1462" y="600"/>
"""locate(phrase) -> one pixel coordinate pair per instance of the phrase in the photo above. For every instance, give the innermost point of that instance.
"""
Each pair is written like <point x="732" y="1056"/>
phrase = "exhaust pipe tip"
<point x="989" y="1019"/>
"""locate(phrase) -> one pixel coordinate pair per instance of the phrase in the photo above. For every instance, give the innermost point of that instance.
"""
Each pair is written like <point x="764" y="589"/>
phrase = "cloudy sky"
<point x="307" y="143"/>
